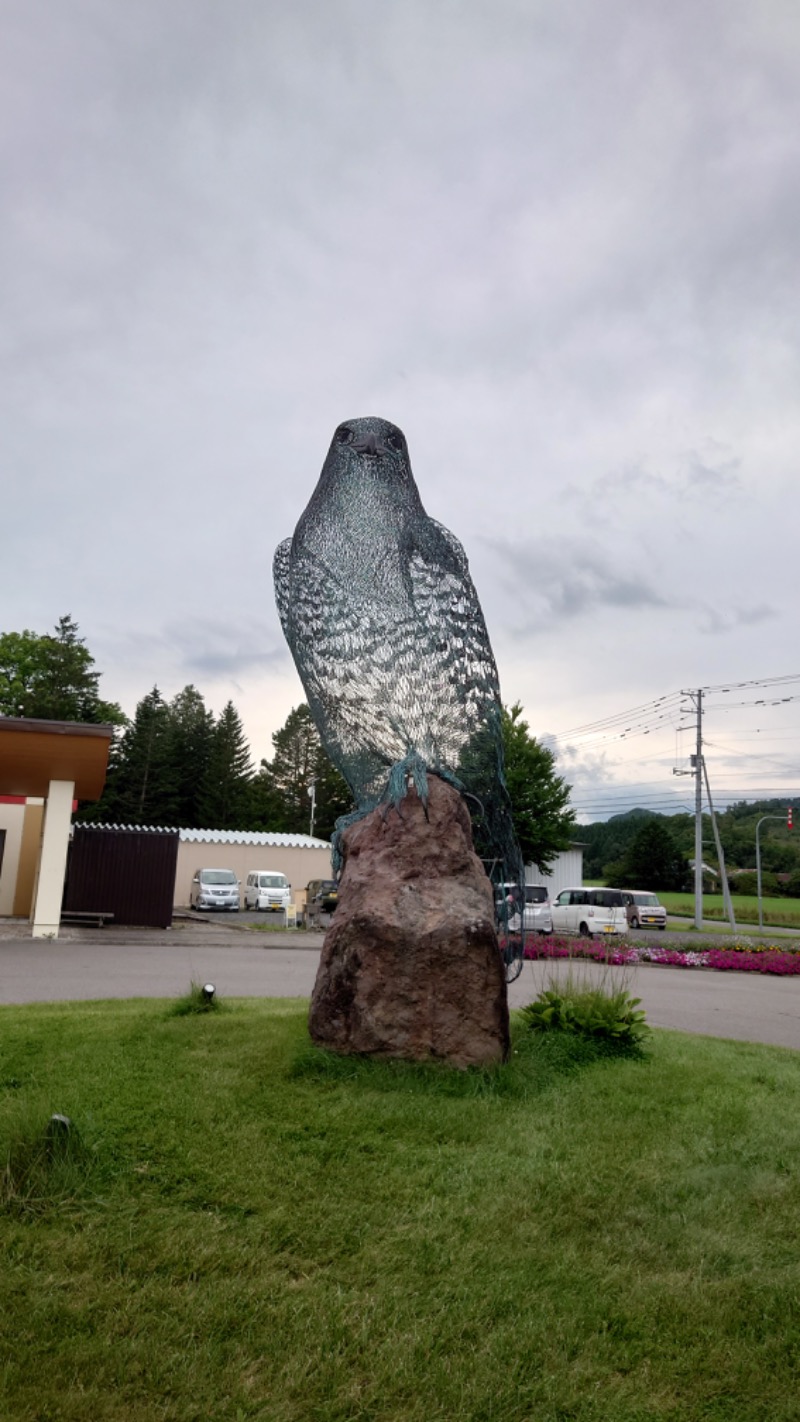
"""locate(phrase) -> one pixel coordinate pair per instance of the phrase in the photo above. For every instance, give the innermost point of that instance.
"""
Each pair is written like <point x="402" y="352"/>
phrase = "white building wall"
<point x="566" y="873"/>
<point x="11" y="818"/>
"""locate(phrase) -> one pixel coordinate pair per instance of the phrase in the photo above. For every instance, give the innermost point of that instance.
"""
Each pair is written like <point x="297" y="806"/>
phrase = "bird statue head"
<point x="369" y="452"/>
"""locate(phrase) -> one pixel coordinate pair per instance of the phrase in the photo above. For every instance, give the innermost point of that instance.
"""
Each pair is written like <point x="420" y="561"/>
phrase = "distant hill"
<point x="608" y="840"/>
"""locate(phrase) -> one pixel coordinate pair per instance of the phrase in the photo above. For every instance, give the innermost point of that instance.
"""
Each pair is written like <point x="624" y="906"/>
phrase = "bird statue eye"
<point x="394" y="440"/>
<point x="344" y="435"/>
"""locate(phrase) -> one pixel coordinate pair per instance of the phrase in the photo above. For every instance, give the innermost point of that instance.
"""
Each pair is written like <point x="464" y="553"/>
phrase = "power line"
<point x="607" y="722"/>
<point x="768" y="681"/>
<point x="634" y="712"/>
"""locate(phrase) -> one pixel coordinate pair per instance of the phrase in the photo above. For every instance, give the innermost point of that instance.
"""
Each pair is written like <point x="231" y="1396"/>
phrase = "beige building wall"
<point x="49" y="890"/>
<point x="12" y="819"/>
<point x="299" y="865"/>
<point x="29" y="858"/>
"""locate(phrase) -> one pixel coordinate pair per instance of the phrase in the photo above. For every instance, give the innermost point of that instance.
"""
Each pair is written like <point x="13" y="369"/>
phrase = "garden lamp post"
<point x="312" y="795"/>
<point x="758" y="861"/>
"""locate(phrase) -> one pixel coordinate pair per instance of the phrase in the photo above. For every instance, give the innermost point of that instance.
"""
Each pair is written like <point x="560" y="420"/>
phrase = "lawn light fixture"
<point x="58" y="1127"/>
<point x="208" y="992"/>
<point x="58" y="1135"/>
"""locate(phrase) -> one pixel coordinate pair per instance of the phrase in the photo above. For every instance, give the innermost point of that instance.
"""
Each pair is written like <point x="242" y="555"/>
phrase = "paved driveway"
<point x="109" y="963"/>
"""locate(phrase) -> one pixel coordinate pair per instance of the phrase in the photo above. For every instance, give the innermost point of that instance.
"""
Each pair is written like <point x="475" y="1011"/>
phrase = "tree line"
<point x="642" y="849"/>
<point x="176" y="764"/>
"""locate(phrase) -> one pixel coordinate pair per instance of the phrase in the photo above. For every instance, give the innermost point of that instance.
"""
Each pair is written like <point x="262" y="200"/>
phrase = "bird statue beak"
<point x="368" y="444"/>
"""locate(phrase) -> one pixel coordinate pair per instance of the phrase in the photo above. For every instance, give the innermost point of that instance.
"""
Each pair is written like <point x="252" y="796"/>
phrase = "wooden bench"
<point x="98" y="920"/>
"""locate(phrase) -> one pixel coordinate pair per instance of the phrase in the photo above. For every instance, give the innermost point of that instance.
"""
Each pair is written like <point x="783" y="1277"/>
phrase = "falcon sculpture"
<point x="385" y="627"/>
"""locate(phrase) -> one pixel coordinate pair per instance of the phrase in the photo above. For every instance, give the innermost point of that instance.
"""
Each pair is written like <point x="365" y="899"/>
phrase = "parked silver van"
<point x="215" y="889"/>
<point x="268" y="890"/>
<point x="536" y="918"/>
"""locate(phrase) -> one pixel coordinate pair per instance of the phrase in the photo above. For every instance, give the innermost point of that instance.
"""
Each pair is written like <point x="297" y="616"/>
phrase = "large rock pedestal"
<point x="410" y="965"/>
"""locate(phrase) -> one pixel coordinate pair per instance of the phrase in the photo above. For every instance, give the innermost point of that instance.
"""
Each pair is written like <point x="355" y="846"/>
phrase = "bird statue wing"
<point x="446" y="600"/>
<point x="343" y="655"/>
<point x="281" y="569"/>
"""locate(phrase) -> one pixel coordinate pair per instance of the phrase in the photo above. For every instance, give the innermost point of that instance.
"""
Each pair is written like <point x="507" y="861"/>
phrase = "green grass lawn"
<point x="784" y="913"/>
<point x="253" y="1230"/>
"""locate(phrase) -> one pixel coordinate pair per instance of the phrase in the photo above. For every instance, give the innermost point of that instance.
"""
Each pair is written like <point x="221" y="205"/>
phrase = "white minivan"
<point x="267" y="889"/>
<point x="590" y="911"/>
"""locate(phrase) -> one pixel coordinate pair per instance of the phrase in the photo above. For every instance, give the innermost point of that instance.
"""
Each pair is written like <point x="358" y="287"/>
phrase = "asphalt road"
<point x="108" y="963"/>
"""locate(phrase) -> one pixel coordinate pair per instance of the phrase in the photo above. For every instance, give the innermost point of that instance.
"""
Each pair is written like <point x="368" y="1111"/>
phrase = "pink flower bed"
<point x="723" y="960"/>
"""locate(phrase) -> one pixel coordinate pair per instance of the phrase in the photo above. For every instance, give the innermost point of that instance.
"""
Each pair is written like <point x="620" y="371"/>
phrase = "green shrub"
<point x="195" y="1000"/>
<point x="611" y="1018"/>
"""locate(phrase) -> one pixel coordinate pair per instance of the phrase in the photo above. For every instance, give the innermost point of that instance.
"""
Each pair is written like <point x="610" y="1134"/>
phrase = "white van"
<point x="215" y="889"/>
<point x="590" y="911"/>
<point x="266" y="889"/>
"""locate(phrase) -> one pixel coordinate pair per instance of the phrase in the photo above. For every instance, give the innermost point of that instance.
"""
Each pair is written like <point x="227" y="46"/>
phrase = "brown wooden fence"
<point x="129" y="873"/>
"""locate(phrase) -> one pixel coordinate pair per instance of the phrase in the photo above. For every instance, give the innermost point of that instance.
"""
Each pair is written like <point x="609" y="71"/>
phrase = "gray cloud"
<point x="717" y="620"/>
<point x="557" y="244"/>
<point x="560" y="583"/>
<point x="706" y="477"/>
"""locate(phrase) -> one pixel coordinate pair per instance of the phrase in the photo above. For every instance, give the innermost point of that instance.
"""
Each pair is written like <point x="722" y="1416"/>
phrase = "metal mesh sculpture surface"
<point x="387" y="633"/>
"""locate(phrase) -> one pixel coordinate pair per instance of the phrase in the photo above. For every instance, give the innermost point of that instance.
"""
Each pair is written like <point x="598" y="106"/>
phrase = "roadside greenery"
<point x="607" y="1016"/>
<point x="262" y="1232"/>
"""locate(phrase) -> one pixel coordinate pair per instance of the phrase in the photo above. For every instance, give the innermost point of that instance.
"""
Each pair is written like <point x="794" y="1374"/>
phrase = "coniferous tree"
<point x="333" y="795"/>
<point x="191" y="739"/>
<point x="140" y="789"/>
<point x="290" y="772"/>
<point x="653" y="861"/>
<point x="281" y="791"/>
<point x="226" y="792"/>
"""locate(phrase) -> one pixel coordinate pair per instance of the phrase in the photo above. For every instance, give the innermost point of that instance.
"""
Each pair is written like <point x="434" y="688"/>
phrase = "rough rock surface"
<point x="410" y="966"/>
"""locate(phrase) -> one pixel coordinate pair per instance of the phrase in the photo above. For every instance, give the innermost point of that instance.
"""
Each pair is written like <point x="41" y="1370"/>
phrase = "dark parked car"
<point x="322" y="896"/>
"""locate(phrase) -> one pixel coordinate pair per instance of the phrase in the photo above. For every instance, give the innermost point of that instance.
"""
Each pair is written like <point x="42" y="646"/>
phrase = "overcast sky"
<point x="558" y="243"/>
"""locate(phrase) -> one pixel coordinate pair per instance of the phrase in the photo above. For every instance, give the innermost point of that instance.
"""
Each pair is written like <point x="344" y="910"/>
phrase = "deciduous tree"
<point x="543" y="821"/>
<point x="52" y="677"/>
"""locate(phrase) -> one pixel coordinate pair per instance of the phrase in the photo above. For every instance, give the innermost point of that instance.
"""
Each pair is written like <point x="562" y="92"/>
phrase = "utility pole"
<point x="696" y="762"/>
<point x="726" y="893"/>
<point x="312" y="795"/>
<point x="698" y="817"/>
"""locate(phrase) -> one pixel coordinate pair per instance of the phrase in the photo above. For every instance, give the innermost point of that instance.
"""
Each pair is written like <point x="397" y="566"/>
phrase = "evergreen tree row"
<point x="176" y="765"/>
